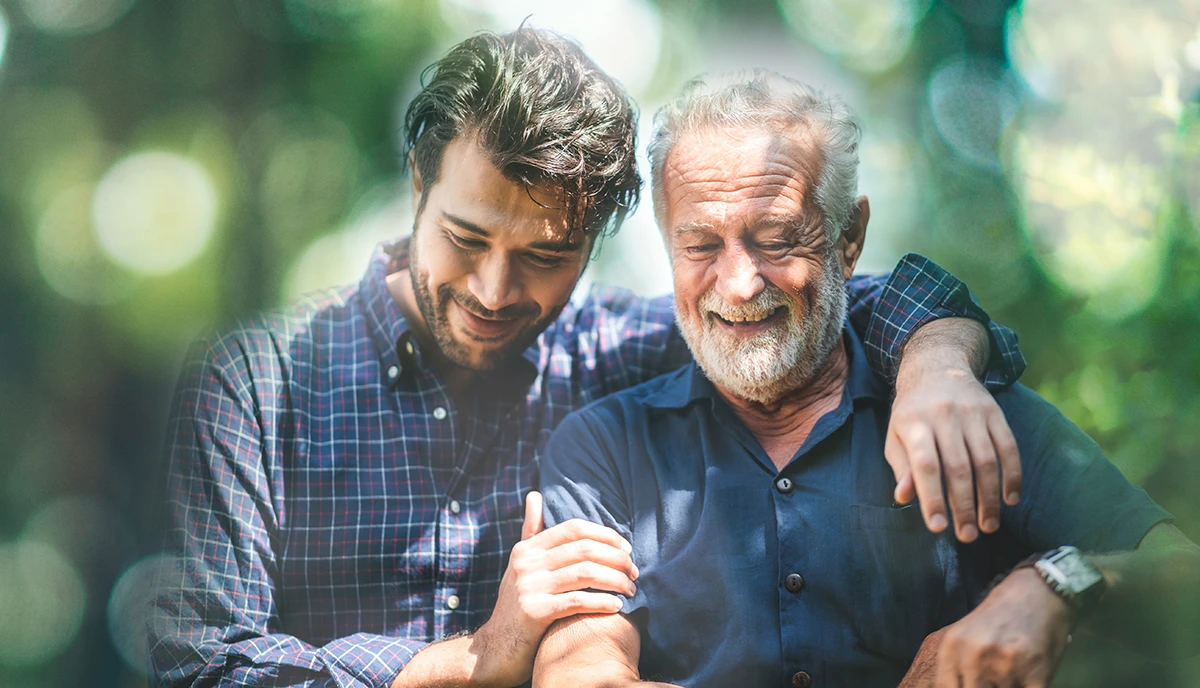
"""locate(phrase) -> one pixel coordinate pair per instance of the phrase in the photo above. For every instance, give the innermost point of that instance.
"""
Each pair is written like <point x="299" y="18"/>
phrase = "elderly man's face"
<point x="759" y="289"/>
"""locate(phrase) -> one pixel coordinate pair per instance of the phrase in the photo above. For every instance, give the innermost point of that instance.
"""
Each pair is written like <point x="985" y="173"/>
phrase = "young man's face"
<point x="489" y="261"/>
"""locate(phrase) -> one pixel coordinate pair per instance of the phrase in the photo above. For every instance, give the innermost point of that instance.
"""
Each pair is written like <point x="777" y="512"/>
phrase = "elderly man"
<point x="347" y="479"/>
<point x="750" y="483"/>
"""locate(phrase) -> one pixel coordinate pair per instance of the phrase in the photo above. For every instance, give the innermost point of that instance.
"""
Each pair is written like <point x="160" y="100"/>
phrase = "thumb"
<point x="533" y="515"/>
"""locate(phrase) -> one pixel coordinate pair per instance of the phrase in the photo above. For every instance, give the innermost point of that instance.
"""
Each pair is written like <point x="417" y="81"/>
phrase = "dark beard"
<point x="434" y="311"/>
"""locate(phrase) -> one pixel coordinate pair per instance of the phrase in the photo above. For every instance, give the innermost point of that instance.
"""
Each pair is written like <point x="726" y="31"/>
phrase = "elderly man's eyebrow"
<point x="692" y="228"/>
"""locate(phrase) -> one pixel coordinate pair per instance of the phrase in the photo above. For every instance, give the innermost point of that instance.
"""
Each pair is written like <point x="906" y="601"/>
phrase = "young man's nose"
<point x="494" y="283"/>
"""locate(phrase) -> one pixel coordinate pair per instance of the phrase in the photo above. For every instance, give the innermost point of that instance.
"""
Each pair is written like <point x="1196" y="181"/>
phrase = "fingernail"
<point x="626" y="546"/>
<point x="969" y="533"/>
<point x="635" y="572"/>
<point x="991" y="525"/>
<point x="937" y="523"/>
<point x="1013" y="498"/>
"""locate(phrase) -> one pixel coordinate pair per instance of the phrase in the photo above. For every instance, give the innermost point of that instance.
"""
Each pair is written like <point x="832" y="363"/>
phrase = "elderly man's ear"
<point x="850" y="243"/>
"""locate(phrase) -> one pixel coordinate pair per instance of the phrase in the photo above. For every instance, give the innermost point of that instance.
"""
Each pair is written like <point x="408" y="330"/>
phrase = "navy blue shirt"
<point x="749" y="574"/>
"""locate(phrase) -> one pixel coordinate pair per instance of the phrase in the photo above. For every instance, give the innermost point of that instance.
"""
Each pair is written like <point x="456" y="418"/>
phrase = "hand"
<point x="946" y="426"/>
<point x="924" y="667"/>
<point x="546" y="580"/>
<point x="1015" y="638"/>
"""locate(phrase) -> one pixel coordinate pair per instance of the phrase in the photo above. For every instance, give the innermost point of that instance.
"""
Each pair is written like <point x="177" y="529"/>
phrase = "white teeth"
<point x="747" y="318"/>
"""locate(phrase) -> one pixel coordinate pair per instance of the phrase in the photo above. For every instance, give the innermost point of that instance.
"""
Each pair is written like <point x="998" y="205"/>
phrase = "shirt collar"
<point x="399" y="352"/>
<point x="689" y="384"/>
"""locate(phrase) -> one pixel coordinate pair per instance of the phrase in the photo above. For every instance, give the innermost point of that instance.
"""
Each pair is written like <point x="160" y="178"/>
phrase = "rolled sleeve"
<point x="918" y="292"/>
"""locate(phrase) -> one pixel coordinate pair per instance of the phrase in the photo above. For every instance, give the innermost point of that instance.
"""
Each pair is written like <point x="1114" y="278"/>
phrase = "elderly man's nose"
<point x="738" y="277"/>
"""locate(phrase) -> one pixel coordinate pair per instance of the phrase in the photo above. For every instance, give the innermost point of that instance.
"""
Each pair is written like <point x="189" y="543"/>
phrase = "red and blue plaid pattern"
<point x="329" y="510"/>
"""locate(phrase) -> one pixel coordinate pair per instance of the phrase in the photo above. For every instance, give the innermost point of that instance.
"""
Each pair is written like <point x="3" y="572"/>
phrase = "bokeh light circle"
<point x="42" y="602"/>
<point x="3" y="34"/>
<point x="68" y="255"/>
<point x="972" y="101"/>
<point x="340" y="258"/>
<point x="154" y="212"/>
<point x="869" y="35"/>
<point x="74" y="17"/>
<point x="129" y="607"/>
<point x="624" y="37"/>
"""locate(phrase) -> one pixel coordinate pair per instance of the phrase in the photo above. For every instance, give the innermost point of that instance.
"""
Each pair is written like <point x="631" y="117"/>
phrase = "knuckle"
<point x="925" y="466"/>
<point x="958" y="471"/>
<point x="984" y="459"/>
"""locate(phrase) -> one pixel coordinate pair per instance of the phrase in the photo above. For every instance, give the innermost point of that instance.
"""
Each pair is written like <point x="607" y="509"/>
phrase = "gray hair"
<point x="759" y="98"/>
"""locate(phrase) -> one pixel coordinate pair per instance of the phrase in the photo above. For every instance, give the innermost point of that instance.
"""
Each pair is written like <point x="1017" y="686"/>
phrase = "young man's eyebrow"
<point x="465" y="224"/>
<point x="548" y="246"/>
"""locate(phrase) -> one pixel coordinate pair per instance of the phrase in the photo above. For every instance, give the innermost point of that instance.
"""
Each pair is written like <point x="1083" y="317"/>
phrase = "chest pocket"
<point x="905" y="580"/>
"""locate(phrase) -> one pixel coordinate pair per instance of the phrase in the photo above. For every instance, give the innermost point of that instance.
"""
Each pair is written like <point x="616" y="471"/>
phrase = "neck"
<point x="458" y="379"/>
<point x="782" y="426"/>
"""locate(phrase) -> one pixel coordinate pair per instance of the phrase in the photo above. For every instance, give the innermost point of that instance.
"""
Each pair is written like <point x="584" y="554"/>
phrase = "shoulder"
<point x="262" y="347"/>
<point x="608" y="419"/>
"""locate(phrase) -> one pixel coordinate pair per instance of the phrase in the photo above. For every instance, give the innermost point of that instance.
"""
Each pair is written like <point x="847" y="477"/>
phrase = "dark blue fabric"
<point x="669" y="465"/>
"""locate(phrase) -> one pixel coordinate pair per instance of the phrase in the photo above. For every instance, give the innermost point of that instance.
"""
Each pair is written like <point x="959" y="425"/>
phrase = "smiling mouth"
<point x="486" y="329"/>
<point x="749" y="320"/>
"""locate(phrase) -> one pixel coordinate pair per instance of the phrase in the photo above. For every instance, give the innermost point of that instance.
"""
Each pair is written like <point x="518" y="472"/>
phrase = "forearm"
<point x="946" y="344"/>
<point x="590" y="652"/>
<point x="1153" y="600"/>
<point x="451" y="662"/>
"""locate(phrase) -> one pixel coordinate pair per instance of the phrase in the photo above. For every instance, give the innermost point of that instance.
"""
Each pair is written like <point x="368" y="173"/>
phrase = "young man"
<point x="347" y="479"/>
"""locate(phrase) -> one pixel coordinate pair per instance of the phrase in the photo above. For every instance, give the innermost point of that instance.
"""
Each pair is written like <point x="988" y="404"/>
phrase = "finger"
<point x="578" y="602"/>
<point x="987" y="473"/>
<point x="601" y="553"/>
<point x="588" y="574"/>
<point x="1010" y="456"/>
<point x="927" y="477"/>
<point x="579" y="529"/>
<point x="534" y="521"/>
<point x="960" y="485"/>
<point x="897" y="458"/>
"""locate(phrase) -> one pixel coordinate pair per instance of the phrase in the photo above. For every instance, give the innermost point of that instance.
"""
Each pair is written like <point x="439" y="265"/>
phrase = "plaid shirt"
<point x="331" y="511"/>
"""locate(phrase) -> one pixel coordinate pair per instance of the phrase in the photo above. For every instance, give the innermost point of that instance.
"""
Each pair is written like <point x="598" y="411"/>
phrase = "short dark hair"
<point x="543" y="111"/>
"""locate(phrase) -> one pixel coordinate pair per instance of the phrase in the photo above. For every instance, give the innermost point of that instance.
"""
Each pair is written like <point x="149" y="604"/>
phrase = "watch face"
<point x="1074" y="572"/>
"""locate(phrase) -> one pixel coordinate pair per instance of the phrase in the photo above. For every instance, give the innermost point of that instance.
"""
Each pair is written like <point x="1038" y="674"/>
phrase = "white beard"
<point x="766" y="367"/>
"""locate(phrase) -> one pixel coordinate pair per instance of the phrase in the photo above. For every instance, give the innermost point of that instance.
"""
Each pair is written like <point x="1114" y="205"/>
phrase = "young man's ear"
<point x="850" y="243"/>
<point x="417" y="188"/>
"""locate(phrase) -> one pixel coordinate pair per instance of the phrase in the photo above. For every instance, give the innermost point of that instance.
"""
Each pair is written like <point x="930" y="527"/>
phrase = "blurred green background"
<point x="168" y="166"/>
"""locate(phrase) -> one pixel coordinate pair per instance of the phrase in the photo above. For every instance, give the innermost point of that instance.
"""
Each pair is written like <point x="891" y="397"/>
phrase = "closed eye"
<point x="464" y="242"/>
<point x="544" y="261"/>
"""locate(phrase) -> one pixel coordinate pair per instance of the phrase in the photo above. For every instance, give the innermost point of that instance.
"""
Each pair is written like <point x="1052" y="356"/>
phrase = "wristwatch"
<point x="1073" y="578"/>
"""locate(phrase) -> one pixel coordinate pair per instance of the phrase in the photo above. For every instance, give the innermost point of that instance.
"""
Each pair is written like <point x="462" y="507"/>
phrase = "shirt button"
<point x="455" y="507"/>
<point x="439" y="413"/>
<point x="794" y="582"/>
<point x="452" y="602"/>
<point x="784" y="485"/>
<point x="801" y="679"/>
<point x="393" y="372"/>
<point x="408" y="347"/>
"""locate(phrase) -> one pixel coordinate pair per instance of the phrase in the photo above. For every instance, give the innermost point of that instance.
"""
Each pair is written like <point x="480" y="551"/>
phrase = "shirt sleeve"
<point x="1072" y="494"/>
<point x="917" y="292"/>
<point x="215" y="621"/>
<point x="580" y="479"/>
